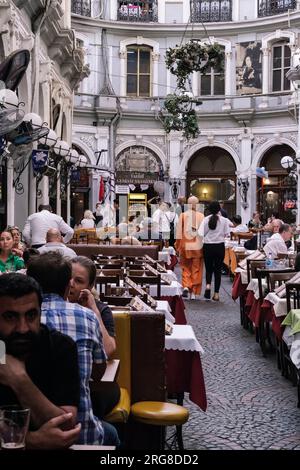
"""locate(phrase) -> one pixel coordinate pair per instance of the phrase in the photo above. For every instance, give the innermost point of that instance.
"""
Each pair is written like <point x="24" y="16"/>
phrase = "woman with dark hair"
<point x="104" y="395"/>
<point x="9" y="261"/>
<point x="214" y="229"/>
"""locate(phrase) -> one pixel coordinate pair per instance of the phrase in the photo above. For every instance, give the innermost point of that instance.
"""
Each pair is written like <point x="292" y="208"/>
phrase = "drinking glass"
<point x="14" y="422"/>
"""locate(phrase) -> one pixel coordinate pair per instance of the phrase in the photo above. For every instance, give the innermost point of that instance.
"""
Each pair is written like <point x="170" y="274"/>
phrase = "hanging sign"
<point x="39" y="160"/>
<point x="122" y="189"/>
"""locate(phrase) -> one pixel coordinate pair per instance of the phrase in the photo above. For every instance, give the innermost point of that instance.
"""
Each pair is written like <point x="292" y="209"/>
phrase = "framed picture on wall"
<point x="249" y="68"/>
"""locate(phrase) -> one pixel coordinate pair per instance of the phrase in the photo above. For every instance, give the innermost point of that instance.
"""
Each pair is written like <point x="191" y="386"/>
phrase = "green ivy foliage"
<point x="182" y="61"/>
<point x="194" y="57"/>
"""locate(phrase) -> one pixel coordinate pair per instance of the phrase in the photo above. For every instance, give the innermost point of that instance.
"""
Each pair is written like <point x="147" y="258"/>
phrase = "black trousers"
<point x="105" y="398"/>
<point x="213" y="259"/>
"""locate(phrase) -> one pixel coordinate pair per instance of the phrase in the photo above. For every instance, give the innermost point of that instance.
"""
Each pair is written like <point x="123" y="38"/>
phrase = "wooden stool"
<point x="161" y="414"/>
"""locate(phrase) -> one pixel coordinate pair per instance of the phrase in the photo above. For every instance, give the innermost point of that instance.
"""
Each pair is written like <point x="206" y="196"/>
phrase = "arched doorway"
<point x="278" y="192"/>
<point x="211" y="177"/>
<point x="138" y="168"/>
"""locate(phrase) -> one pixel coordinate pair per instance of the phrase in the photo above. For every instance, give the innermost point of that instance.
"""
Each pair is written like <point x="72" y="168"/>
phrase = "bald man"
<point x="54" y="242"/>
<point x="188" y="246"/>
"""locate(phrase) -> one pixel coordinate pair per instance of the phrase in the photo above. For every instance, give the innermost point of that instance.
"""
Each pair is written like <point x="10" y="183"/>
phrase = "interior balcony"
<point x="145" y="11"/>
<point x="211" y="11"/>
<point x="275" y="7"/>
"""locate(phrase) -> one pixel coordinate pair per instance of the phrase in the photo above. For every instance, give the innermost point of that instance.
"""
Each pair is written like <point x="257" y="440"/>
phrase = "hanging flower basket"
<point x="194" y="57"/>
<point x="181" y="115"/>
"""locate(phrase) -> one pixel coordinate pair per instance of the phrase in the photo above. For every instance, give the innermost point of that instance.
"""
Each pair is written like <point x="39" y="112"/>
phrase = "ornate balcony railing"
<point x="275" y="7"/>
<point x="208" y="11"/>
<point x="81" y="7"/>
<point x="138" y="11"/>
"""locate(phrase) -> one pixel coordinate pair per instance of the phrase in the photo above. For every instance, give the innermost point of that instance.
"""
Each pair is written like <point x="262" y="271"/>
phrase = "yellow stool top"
<point x="159" y="413"/>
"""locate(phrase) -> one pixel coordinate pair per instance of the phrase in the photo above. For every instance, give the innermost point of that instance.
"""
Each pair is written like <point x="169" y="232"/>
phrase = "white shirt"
<point x="87" y="223"/>
<point x="240" y="229"/>
<point x="163" y="219"/>
<point x="38" y="224"/>
<point x="276" y="236"/>
<point x="218" y="235"/>
<point x="60" y="247"/>
<point x="275" y="245"/>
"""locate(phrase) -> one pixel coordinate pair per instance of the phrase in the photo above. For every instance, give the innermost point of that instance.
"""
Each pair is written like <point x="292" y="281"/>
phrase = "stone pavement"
<point x="250" y="406"/>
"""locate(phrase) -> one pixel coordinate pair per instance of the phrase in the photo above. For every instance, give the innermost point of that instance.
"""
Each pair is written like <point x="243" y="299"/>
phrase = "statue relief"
<point x="139" y="159"/>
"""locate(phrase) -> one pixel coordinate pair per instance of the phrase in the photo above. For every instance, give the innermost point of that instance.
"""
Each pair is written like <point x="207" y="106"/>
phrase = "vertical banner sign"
<point x="39" y="160"/>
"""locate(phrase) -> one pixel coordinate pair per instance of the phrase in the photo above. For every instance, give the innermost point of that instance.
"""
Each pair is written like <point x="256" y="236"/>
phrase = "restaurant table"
<point x="164" y="307"/>
<point x="183" y="365"/>
<point x="177" y="308"/>
<point x="279" y="304"/>
<point x="291" y="335"/>
<point x="238" y="287"/>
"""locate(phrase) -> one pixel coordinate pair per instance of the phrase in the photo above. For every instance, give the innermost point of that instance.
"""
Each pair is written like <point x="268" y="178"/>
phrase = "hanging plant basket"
<point x="194" y="57"/>
<point x="181" y="115"/>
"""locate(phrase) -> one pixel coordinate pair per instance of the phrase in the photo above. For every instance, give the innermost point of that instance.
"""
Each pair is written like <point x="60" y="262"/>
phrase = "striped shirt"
<point x="82" y="326"/>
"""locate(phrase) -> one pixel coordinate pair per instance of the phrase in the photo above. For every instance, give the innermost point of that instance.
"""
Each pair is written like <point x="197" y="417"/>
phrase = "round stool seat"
<point x="159" y="413"/>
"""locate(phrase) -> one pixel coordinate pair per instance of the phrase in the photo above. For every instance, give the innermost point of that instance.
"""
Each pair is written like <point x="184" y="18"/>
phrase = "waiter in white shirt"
<point x="277" y="244"/>
<point x="38" y="224"/>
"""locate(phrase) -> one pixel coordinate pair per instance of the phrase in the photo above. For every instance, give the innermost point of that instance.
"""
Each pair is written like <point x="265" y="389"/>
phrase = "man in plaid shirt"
<point x="53" y="272"/>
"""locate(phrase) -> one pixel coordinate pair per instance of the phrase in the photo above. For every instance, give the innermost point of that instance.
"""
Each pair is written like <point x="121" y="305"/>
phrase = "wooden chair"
<point x="275" y="280"/>
<point x="140" y="348"/>
<point x="106" y="280"/>
<point x="264" y="331"/>
<point x="252" y="266"/>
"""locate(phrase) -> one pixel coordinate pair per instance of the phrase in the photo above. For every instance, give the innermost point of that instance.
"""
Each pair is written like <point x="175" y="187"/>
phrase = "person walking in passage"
<point x="38" y="224"/>
<point x="214" y="229"/>
<point x="188" y="246"/>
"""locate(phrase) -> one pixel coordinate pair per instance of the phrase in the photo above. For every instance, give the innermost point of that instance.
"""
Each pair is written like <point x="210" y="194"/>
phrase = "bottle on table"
<point x="269" y="261"/>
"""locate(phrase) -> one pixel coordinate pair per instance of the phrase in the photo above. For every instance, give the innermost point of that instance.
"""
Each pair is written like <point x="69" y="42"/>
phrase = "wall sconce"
<point x="175" y="184"/>
<point x="243" y="183"/>
<point x="204" y="193"/>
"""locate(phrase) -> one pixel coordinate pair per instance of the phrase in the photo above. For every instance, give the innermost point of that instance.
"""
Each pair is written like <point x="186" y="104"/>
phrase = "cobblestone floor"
<point x="250" y="406"/>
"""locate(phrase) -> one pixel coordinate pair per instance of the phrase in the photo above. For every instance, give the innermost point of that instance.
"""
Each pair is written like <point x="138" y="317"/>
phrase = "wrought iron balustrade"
<point x="138" y="11"/>
<point x="275" y="7"/>
<point x="81" y="7"/>
<point x="208" y="11"/>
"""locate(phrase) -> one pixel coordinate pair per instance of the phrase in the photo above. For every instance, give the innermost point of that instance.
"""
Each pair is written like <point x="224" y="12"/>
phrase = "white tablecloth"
<point x="253" y="285"/>
<point x="279" y="304"/>
<point x="183" y="339"/>
<point x="164" y="256"/>
<point x="163" y="306"/>
<point x="244" y="275"/>
<point x="293" y="342"/>
<point x="167" y="290"/>
<point x="171" y="275"/>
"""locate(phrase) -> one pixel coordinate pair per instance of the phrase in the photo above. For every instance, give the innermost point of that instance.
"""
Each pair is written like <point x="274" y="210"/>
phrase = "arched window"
<point x="138" y="71"/>
<point x="281" y="63"/>
<point x="212" y="83"/>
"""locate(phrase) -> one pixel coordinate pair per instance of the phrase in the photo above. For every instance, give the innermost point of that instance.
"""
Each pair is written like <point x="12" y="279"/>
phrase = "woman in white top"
<point x="88" y="220"/>
<point x="214" y="229"/>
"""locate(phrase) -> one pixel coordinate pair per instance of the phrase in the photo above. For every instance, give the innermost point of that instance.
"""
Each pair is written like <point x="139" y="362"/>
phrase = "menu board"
<point x="160" y="268"/>
<point x="163" y="276"/>
<point x="141" y="291"/>
<point x="137" y="304"/>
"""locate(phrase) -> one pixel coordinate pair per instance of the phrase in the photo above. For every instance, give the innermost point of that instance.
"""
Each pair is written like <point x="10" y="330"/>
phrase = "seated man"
<point x="54" y="242"/>
<point x="41" y="369"/>
<point x="54" y="273"/>
<point x="278" y="244"/>
<point x="238" y="226"/>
